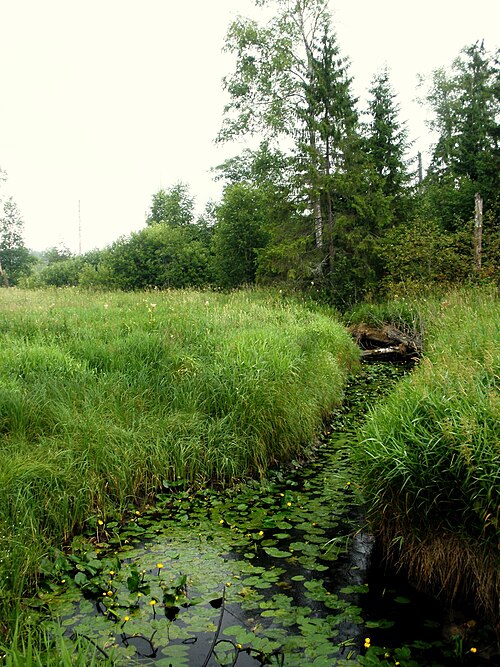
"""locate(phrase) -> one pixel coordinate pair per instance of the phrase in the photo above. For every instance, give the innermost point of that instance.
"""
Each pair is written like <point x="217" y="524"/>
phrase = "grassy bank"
<point x="430" y="455"/>
<point x="103" y="398"/>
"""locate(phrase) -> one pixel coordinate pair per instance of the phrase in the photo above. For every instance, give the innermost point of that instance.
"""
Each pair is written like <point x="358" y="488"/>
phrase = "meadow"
<point x="107" y="398"/>
<point x="429" y="455"/>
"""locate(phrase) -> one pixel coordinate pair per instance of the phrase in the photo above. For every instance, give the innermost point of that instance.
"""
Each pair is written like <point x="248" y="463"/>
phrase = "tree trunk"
<point x="4" y="281"/>
<point x="478" y="231"/>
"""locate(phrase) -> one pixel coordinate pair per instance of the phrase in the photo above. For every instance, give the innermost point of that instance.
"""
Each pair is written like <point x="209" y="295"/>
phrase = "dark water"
<point x="278" y="572"/>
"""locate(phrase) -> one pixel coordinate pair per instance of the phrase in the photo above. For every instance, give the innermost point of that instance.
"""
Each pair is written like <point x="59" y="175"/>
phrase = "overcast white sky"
<point x="103" y="102"/>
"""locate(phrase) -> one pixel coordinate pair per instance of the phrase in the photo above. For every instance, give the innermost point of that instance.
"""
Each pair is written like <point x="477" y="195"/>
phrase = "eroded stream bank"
<point x="272" y="572"/>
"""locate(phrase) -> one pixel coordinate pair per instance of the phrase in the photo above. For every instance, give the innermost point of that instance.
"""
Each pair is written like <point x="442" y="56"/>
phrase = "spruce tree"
<point x="388" y="146"/>
<point x="466" y="156"/>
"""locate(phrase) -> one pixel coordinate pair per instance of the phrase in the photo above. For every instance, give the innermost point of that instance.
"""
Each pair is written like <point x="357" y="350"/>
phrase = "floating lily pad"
<point x="277" y="553"/>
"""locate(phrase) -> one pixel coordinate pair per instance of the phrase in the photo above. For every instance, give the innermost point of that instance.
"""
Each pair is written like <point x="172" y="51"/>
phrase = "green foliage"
<point x="466" y="107"/>
<point x="15" y="258"/>
<point x="267" y="166"/>
<point x="105" y="397"/>
<point x="239" y="234"/>
<point x="429" y="456"/>
<point x="61" y="273"/>
<point x="290" y="78"/>
<point x="32" y="647"/>
<point x="266" y="89"/>
<point x="173" y="206"/>
<point x="421" y="252"/>
<point x="387" y="145"/>
<point x="56" y="254"/>
<point x="158" y="256"/>
<point x="172" y="578"/>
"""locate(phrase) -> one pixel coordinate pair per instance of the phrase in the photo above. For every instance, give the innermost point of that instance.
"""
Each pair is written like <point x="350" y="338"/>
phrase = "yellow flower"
<point x="159" y="565"/>
<point x="221" y="521"/>
<point x="473" y="649"/>
<point x="111" y="572"/>
<point x="367" y="640"/>
<point x="109" y="593"/>
<point x="126" y="618"/>
<point x="261" y="533"/>
<point x="139" y="595"/>
<point x="289" y="504"/>
<point x="153" y="602"/>
<point x="239" y="646"/>
<point x="100" y="522"/>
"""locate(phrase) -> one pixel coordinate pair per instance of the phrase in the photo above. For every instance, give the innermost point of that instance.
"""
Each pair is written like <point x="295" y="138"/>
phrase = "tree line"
<point x="343" y="211"/>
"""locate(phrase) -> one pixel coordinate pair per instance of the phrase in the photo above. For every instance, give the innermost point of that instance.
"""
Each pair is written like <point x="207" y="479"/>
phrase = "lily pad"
<point x="276" y="553"/>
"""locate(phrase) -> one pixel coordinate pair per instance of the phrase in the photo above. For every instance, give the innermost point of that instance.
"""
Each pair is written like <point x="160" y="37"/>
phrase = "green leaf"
<point x="276" y="553"/>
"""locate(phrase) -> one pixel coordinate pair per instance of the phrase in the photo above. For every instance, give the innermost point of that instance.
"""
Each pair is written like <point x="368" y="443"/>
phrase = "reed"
<point x="430" y="455"/>
<point x="30" y="647"/>
<point x="103" y="397"/>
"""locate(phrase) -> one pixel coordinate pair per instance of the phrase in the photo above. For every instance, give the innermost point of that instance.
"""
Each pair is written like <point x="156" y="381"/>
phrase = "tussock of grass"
<point x="430" y="455"/>
<point x="102" y="397"/>
<point x="32" y="648"/>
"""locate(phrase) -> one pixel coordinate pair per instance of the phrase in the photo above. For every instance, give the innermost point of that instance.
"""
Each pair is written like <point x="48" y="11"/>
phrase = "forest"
<point x="330" y="201"/>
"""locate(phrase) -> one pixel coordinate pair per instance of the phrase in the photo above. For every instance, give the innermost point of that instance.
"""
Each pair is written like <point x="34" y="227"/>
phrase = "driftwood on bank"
<point x="385" y="343"/>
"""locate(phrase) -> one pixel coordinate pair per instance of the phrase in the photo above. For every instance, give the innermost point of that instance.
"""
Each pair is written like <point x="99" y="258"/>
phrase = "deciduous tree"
<point x="174" y="206"/>
<point x="239" y="234"/>
<point x="15" y="258"/>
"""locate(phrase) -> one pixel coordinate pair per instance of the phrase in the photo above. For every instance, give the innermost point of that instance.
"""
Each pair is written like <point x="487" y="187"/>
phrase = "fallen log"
<point x="386" y="342"/>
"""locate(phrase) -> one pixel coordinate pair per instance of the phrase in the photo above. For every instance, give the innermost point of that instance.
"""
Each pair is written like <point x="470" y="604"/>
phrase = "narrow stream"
<point x="274" y="572"/>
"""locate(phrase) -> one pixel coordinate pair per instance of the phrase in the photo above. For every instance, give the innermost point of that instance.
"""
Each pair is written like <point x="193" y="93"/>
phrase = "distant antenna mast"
<point x="79" y="230"/>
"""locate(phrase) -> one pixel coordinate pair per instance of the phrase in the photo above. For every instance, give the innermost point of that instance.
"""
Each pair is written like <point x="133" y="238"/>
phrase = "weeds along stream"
<point x="273" y="572"/>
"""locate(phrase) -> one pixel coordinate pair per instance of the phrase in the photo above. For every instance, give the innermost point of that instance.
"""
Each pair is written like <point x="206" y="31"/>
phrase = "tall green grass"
<point x="29" y="647"/>
<point x="103" y="397"/>
<point x="430" y="455"/>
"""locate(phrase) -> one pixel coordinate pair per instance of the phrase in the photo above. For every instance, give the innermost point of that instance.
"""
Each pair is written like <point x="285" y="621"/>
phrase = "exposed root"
<point x="447" y="565"/>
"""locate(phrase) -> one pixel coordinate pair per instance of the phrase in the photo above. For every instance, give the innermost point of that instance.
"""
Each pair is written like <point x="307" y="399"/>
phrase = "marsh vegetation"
<point x="139" y="435"/>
